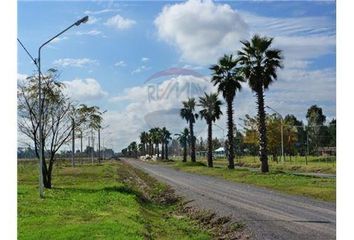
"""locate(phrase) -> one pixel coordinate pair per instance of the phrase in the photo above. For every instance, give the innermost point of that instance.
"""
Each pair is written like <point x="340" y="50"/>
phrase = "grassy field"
<point x="318" y="188"/>
<point x="97" y="202"/>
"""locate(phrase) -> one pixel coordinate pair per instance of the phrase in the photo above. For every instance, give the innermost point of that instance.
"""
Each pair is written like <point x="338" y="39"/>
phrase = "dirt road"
<point x="267" y="214"/>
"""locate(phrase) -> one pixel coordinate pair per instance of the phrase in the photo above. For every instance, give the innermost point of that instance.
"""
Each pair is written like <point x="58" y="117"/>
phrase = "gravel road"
<point x="267" y="214"/>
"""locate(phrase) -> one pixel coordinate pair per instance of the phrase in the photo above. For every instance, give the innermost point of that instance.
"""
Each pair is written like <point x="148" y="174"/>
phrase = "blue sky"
<point x="107" y="61"/>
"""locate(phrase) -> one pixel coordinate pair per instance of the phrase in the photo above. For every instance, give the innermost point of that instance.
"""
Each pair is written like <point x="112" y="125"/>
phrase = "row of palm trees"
<point x="210" y="111"/>
<point x="257" y="64"/>
<point x="150" y="142"/>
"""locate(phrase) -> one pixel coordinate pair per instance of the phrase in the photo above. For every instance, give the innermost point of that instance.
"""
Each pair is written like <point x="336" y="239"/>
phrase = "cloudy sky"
<point x="139" y="60"/>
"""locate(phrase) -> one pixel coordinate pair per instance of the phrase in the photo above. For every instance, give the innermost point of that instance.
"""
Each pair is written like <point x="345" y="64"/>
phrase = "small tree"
<point x="210" y="112"/>
<point x="56" y="118"/>
<point x="166" y="137"/>
<point x="188" y="113"/>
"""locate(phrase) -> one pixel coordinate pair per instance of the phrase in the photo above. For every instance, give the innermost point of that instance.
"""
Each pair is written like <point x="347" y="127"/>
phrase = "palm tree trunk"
<point x="157" y="150"/>
<point x="192" y="142"/>
<point x="210" y="145"/>
<point x="184" y="153"/>
<point x="230" y="134"/>
<point x="262" y="131"/>
<point x="166" y="151"/>
<point x="163" y="151"/>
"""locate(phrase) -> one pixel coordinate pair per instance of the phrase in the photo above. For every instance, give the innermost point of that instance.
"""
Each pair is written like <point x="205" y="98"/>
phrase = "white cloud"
<point x="120" y="64"/>
<point x="107" y="10"/>
<point x="75" y="62"/>
<point x="93" y="32"/>
<point x="92" y="20"/>
<point x="145" y="59"/>
<point x="59" y="39"/>
<point x="141" y="69"/>
<point x="119" y="22"/>
<point x="84" y="89"/>
<point x="301" y="38"/>
<point x="201" y="30"/>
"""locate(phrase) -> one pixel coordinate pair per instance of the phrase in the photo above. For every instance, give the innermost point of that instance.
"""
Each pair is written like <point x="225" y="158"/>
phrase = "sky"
<point x="139" y="60"/>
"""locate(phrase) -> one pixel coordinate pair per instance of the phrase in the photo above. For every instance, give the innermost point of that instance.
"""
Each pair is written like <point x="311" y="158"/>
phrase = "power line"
<point x="34" y="61"/>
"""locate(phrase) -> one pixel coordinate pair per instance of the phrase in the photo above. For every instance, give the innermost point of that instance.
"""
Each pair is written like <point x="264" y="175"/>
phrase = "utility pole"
<point x="81" y="141"/>
<point x="282" y="137"/>
<point x="307" y="145"/>
<point x="37" y="62"/>
<point x="99" y="145"/>
<point x="99" y="139"/>
<point x="92" y="148"/>
<point x="73" y="144"/>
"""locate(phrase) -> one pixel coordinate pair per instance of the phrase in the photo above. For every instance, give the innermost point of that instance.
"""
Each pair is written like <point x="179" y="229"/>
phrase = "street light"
<point x="281" y="132"/>
<point x="99" y="139"/>
<point x="38" y="64"/>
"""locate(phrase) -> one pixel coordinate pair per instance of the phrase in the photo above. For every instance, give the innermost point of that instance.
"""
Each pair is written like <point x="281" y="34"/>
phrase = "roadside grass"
<point x="93" y="202"/>
<point x="315" y="187"/>
<point x="317" y="164"/>
<point x="296" y="164"/>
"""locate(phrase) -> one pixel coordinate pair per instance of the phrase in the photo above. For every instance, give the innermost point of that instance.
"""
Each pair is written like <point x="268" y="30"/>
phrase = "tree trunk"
<point x="262" y="131"/>
<point x="210" y="145"/>
<point x="192" y="142"/>
<point x="230" y="135"/>
<point x="157" y="150"/>
<point x="163" y="151"/>
<point x="47" y="173"/>
<point x="184" y="153"/>
<point x="166" y="151"/>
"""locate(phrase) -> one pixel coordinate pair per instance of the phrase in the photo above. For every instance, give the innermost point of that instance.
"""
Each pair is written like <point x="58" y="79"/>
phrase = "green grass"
<point x="318" y="188"/>
<point x="92" y="202"/>
<point x="296" y="164"/>
<point x="316" y="164"/>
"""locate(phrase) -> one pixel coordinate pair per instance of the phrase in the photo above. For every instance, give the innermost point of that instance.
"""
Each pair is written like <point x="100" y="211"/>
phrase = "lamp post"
<point x="281" y="132"/>
<point x="99" y="139"/>
<point x="38" y="64"/>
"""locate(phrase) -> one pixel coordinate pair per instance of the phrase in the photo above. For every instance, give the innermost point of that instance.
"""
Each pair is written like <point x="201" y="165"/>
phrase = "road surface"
<point x="267" y="214"/>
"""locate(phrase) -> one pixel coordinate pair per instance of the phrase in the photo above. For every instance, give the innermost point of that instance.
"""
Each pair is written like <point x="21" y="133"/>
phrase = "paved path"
<point x="267" y="214"/>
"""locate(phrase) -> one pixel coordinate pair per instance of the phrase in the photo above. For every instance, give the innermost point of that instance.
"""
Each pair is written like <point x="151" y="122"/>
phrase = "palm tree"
<point x="134" y="148"/>
<point x="187" y="112"/>
<point x="259" y="66"/>
<point x="156" y="139"/>
<point x="166" y="136"/>
<point x="228" y="80"/>
<point x="144" y="141"/>
<point x="210" y="112"/>
<point x="183" y="138"/>
<point x="141" y="148"/>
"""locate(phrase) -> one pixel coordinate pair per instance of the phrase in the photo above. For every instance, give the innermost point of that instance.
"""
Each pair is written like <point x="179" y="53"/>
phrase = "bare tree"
<point x="56" y="118"/>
